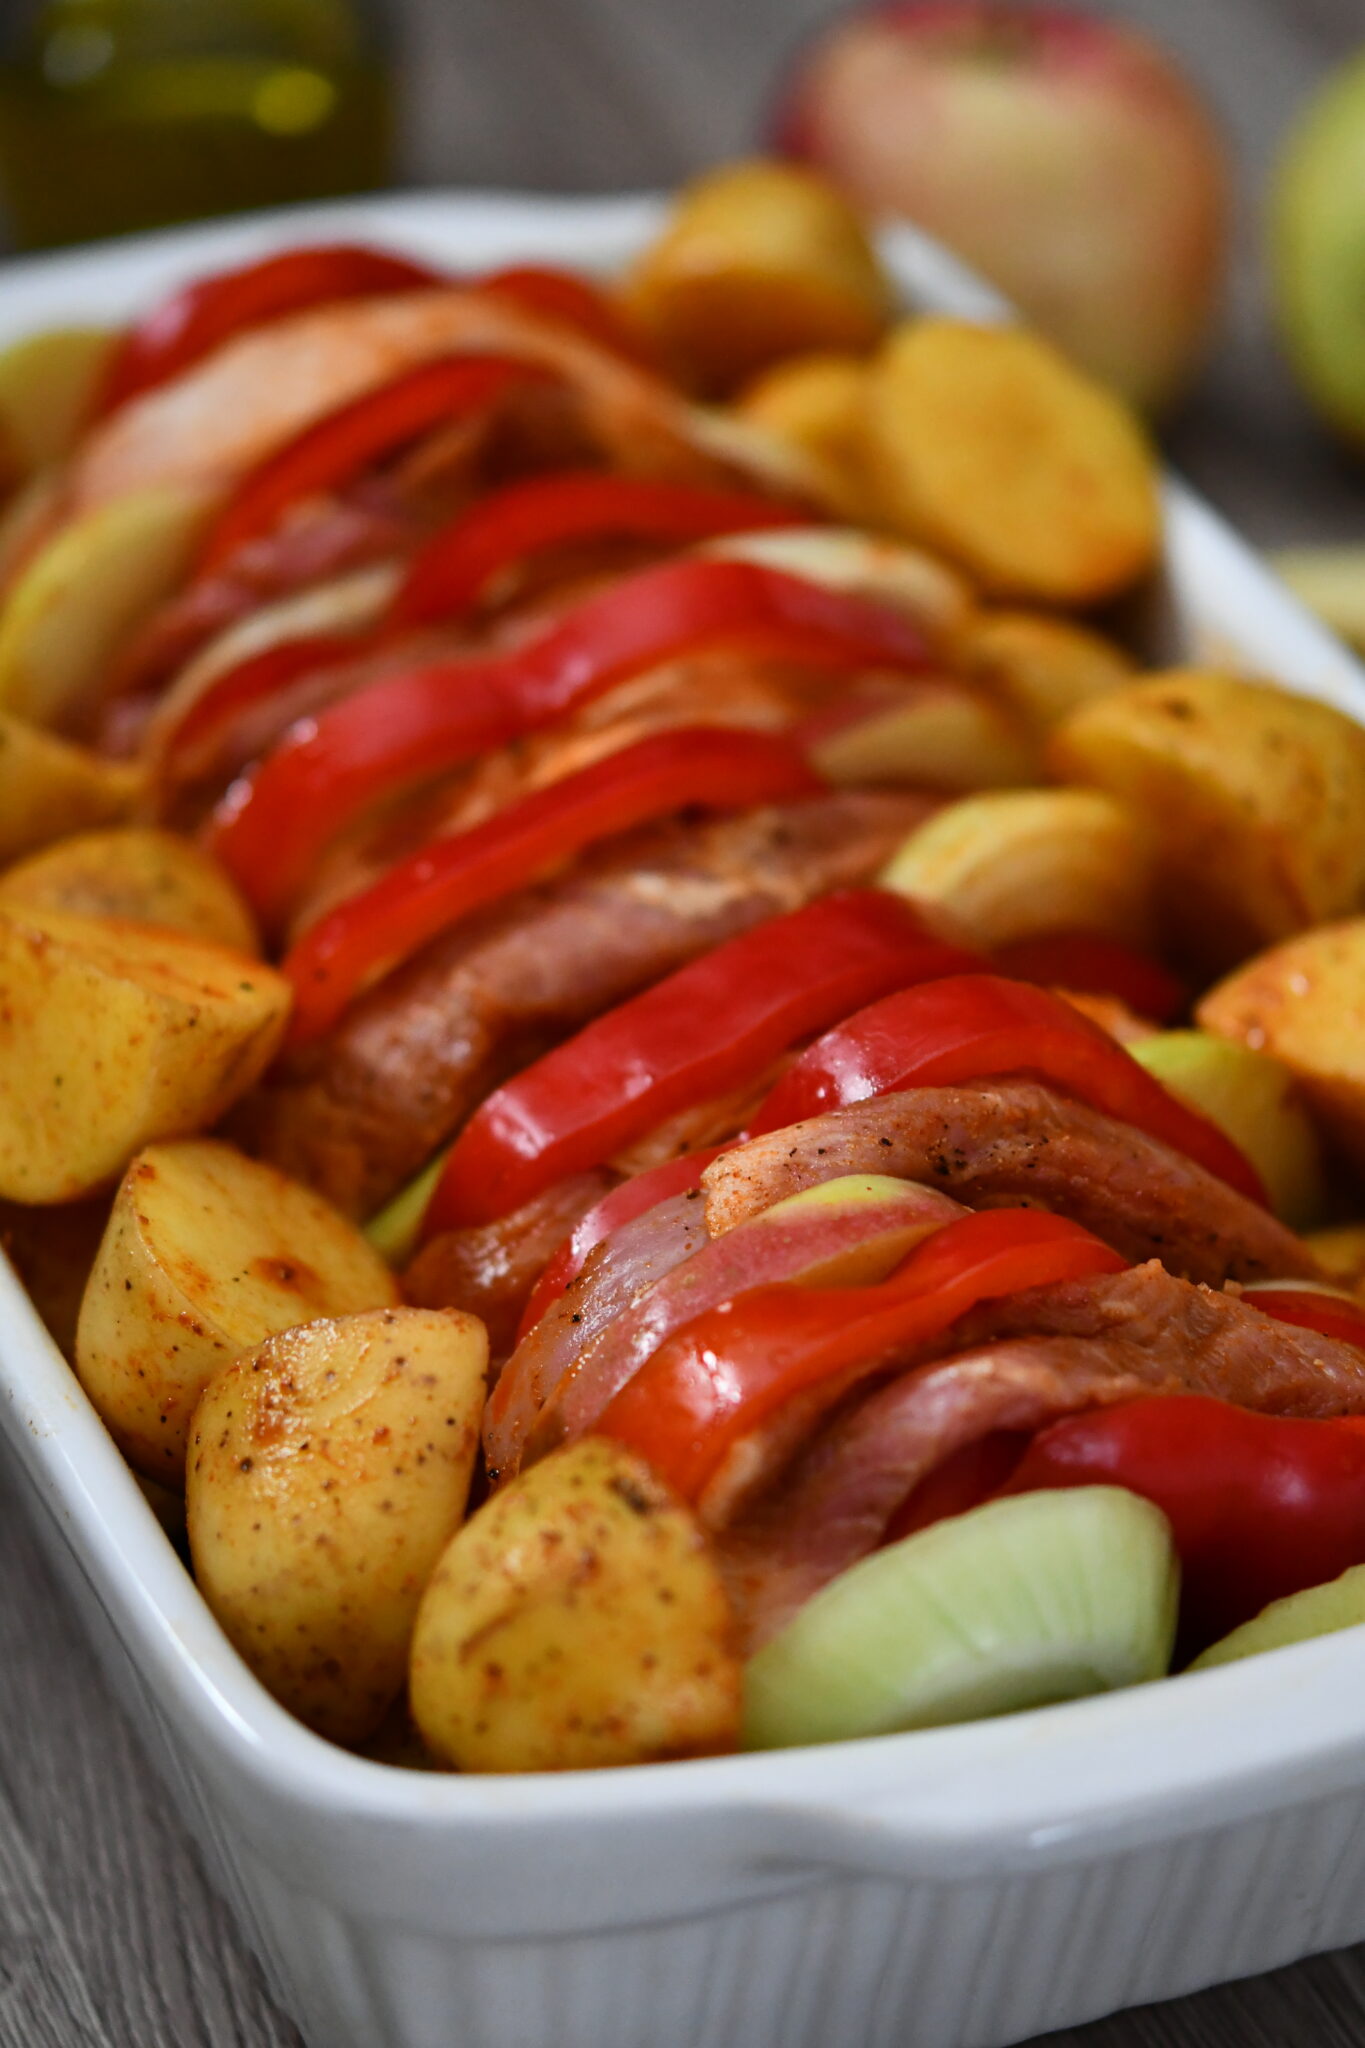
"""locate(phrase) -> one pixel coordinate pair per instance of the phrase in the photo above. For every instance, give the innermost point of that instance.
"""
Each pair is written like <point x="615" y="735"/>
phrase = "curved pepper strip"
<point x="499" y="532"/>
<point x="569" y="301"/>
<point x="971" y="1026"/>
<point x="342" y="445"/>
<point x="701" y="1031"/>
<point x="193" y="322"/>
<point x="1093" y="964"/>
<point x="410" y="727"/>
<point x="1323" y="1309"/>
<point x="722" y="1378"/>
<point x="1260" y="1505"/>
<point x="362" y="938"/>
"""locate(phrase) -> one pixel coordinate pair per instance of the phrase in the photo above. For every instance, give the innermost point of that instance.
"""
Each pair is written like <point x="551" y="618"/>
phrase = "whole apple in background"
<point x="1318" y="250"/>
<point x="1066" y="158"/>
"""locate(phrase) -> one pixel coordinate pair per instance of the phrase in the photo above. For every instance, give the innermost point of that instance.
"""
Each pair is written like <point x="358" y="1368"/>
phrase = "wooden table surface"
<point x="109" y="1937"/>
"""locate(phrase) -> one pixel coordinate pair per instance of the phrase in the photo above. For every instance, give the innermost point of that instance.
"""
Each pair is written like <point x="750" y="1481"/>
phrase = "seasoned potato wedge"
<point x="1304" y="1002"/>
<point x="49" y="787"/>
<point x="1013" y="864"/>
<point x="113" y="1034"/>
<point x="944" y="736"/>
<point x="47" y="383"/>
<point x="1040" y="666"/>
<point x="135" y="872"/>
<point x="816" y="403"/>
<point x="757" y="261"/>
<point x="75" y="604"/>
<point x="52" y="1251"/>
<point x="327" y="1472"/>
<point x="1257" y="1101"/>
<point x="577" y="1620"/>
<point x="1253" y="797"/>
<point x="205" y="1255"/>
<point x="987" y="444"/>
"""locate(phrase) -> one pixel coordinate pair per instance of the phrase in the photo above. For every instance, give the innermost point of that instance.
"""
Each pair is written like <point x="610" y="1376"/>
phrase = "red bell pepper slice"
<point x="696" y="1034"/>
<point x="642" y="1191"/>
<point x="719" y="1380"/>
<point x="1310" y="1308"/>
<point x="343" y="445"/>
<point x="718" y="768"/>
<point x="571" y="302"/>
<point x="971" y="1026"/>
<point x="452" y="572"/>
<point x="188" y="326"/>
<point x="1096" y="965"/>
<point x="193" y="739"/>
<point x="410" y="727"/>
<point x="1260" y="1505"/>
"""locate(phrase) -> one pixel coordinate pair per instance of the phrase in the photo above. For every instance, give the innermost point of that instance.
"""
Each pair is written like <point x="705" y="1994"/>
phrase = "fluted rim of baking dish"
<point x="1019" y="1793"/>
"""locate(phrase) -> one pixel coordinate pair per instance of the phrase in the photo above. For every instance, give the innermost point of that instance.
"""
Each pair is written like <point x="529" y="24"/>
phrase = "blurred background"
<point x="594" y="95"/>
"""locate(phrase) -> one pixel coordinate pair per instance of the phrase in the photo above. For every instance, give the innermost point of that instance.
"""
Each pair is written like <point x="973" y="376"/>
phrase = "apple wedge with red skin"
<point x="843" y="1233"/>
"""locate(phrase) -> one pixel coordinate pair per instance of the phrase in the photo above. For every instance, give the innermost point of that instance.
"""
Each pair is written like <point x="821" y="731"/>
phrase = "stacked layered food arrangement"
<point x="661" y="1098"/>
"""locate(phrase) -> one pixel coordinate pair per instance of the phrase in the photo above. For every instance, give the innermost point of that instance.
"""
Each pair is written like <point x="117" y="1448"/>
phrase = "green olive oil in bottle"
<point x="124" y="114"/>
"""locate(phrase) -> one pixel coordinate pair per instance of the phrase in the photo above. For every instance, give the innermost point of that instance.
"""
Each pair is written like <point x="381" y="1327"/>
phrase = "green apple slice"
<point x="1319" y="1611"/>
<point x="1026" y="1601"/>
<point x="1255" y="1099"/>
<point x="396" y="1228"/>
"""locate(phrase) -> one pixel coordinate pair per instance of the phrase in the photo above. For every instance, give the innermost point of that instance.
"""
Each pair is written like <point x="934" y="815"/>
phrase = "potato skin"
<point x="815" y="402"/>
<point x="577" y="1621"/>
<point x="48" y="787"/>
<point x="206" y="1253"/>
<point x="1304" y="1002"/>
<point x="114" y="1034"/>
<point x="1041" y="666"/>
<point x="327" y="1472"/>
<point x="987" y="444"/>
<point x="136" y="872"/>
<point x="1253" y="798"/>
<point x="758" y="261"/>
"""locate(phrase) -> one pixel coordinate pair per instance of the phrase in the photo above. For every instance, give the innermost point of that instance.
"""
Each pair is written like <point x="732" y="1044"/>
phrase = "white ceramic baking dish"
<point x="955" y="1889"/>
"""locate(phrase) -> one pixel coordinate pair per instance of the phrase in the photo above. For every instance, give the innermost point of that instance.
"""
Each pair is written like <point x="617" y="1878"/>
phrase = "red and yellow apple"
<point x="1066" y="158"/>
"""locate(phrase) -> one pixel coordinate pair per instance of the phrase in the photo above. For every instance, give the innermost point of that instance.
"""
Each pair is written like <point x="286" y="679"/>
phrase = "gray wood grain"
<point x="109" y="1937"/>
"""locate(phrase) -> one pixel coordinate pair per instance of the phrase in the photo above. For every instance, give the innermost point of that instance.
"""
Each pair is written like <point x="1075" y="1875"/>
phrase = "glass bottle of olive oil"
<point x="124" y="114"/>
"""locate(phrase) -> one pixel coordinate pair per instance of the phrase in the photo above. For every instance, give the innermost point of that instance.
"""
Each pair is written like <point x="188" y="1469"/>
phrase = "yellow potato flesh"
<point x="816" y="403"/>
<point x="987" y="444"/>
<point x="1253" y="799"/>
<point x="206" y="1254"/>
<point x="48" y="787"/>
<point x="577" y="1620"/>
<point x="1013" y="864"/>
<point x="153" y="877"/>
<point x="758" y="261"/>
<point x="113" y="1034"/>
<point x="78" y="601"/>
<point x="1042" y="667"/>
<point x="1304" y="1003"/>
<point x="327" y="1472"/>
